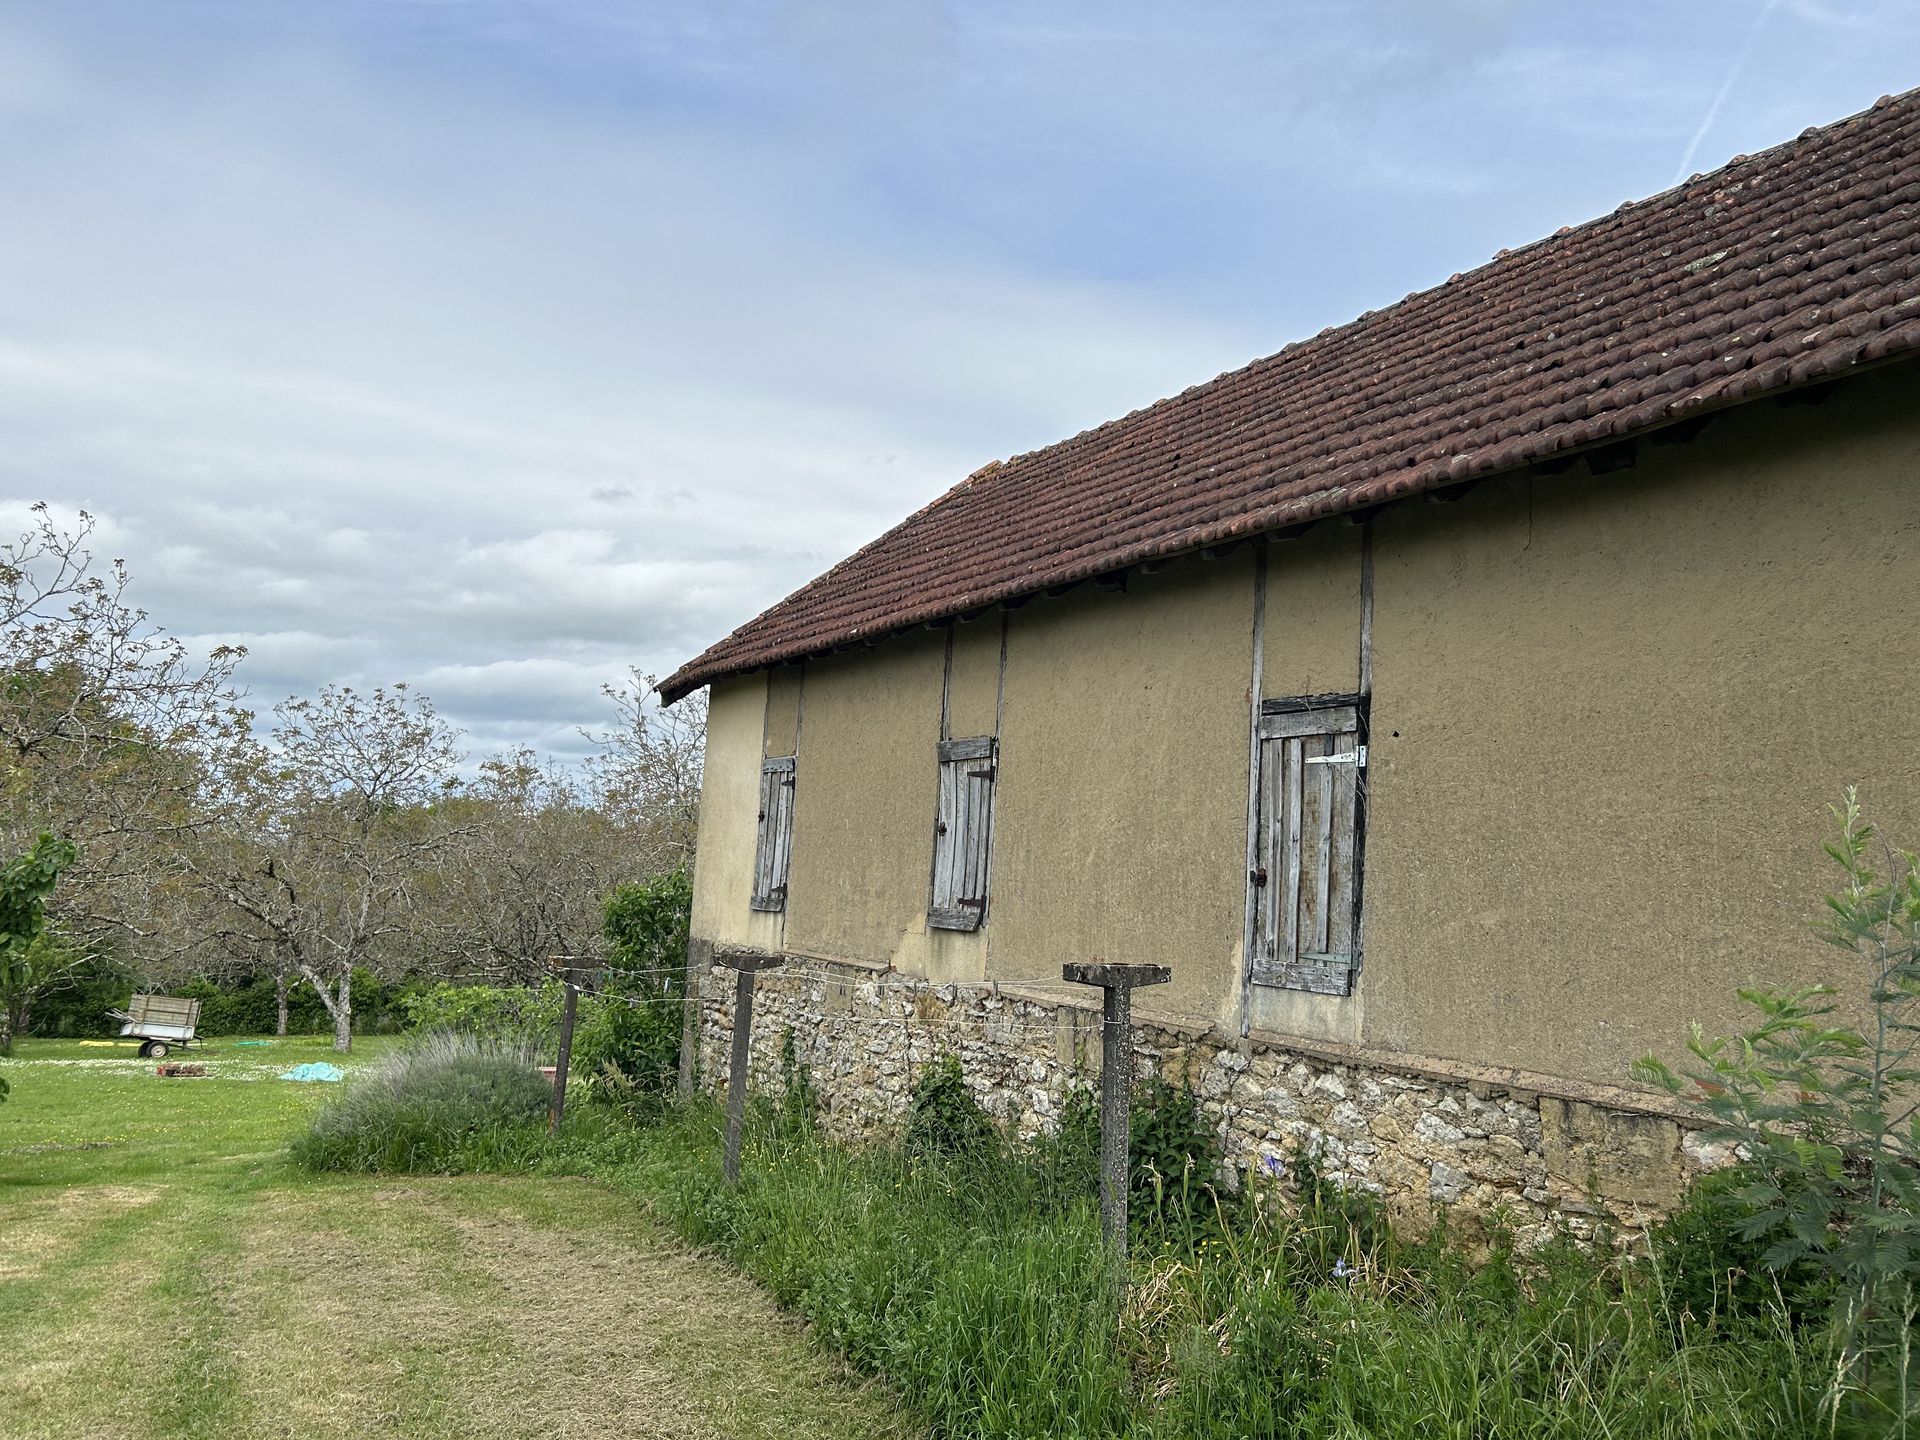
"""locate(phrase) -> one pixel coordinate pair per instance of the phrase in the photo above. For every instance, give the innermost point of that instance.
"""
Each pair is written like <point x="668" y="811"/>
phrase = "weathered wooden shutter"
<point x="775" y="848"/>
<point x="962" y="834"/>
<point x="1307" y="896"/>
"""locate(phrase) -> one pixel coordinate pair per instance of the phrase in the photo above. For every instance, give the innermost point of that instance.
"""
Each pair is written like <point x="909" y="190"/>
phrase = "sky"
<point x="499" y="346"/>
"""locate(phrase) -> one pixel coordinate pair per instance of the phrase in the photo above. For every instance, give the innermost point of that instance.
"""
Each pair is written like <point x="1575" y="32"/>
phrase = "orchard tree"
<point x="333" y="830"/>
<point x="109" y="728"/>
<point x="535" y="861"/>
<point x="645" y="776"/>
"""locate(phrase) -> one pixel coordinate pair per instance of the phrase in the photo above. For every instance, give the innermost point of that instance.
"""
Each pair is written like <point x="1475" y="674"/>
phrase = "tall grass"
<point x="446" y="1103"/>
<point x="977" y="1285"/>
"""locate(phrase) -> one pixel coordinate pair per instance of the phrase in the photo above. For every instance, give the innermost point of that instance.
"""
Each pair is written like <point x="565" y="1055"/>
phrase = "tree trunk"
<point x="280" y="1003"/>
<point x="343" y="1014"/>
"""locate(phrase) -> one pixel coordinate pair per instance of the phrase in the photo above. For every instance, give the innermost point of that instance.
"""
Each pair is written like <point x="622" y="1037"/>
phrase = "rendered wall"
<point x="1609" y="714"/>
<point x="729" y="811"/>
<point x="863" y="800"/>
<point x="1121" y="827"/>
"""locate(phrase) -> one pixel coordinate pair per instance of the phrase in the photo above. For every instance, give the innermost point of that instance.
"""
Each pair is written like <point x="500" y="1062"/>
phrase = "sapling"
<point x="1824" y="1114"/>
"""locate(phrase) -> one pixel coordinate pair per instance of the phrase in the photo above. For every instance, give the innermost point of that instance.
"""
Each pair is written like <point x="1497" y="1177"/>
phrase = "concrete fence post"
<point x="1116" y="1075"/>
<point x="746" y="967"/>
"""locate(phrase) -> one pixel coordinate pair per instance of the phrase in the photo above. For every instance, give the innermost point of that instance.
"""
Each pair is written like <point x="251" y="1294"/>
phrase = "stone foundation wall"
<point x="1527" y="1153"/>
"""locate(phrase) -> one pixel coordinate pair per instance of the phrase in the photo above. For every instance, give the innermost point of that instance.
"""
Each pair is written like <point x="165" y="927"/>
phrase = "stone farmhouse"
<point x="1453" y="700"/>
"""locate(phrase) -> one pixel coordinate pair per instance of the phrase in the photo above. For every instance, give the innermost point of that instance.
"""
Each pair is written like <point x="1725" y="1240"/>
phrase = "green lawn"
<point x="164" y="1272"/>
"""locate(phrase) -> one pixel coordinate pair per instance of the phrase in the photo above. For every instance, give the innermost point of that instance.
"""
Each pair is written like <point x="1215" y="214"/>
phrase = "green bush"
<point x="628" y="1044"/>
<point x="444" y="1104"/>
<point x="944" y="1120"/>
<point x="526" y="1016"/>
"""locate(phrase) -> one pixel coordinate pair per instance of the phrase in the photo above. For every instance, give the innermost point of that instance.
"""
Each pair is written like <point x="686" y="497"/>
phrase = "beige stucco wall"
<point x="864" y="800"/>
<point x="1609" y="714"/>
<point x="785" y="689"/>
<point x="1312" y="647"/>
<point x="729" y="818"/>
<point x="973" y="690"/>
<point x="1121" y="827"/>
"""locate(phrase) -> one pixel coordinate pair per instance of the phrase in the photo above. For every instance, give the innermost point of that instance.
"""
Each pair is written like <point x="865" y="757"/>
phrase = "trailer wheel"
<point x="146" y="1048"/>
<point x="157" y="1049"/>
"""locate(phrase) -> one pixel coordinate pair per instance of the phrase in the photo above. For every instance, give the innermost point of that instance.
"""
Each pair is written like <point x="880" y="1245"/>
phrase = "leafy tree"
<point x="27" y="954"/>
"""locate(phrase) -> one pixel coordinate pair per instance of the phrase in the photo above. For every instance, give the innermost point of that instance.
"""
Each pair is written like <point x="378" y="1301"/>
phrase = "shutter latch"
<point x="1355" y="756"/>
<point x="1257" y="877"/>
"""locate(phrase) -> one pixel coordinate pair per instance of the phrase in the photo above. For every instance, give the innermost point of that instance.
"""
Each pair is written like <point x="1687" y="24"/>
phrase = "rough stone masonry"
<point x="1530" y="1155"/>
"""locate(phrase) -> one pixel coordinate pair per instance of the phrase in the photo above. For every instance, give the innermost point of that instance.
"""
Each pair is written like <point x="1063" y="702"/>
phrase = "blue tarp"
<point x="315" y="1070"/>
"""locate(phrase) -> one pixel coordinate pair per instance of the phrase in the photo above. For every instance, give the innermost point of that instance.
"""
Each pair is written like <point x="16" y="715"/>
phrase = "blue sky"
<point x="496" y="345"/>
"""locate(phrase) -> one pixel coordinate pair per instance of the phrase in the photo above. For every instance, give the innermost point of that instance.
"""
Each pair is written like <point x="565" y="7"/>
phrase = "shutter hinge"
<point x="1355" y="756"/>
<point x="986" y="774"/>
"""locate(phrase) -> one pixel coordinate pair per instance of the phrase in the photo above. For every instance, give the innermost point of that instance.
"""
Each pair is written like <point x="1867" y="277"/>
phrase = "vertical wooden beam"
<point x="1256" y="687"/>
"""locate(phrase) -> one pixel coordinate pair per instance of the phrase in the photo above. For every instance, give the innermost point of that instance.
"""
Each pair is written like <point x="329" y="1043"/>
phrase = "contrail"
<point x="1726" y="88"/>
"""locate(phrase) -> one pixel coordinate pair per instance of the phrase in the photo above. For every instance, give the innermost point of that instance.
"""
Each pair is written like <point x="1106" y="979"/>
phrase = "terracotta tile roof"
<point x="1779" y="269"/>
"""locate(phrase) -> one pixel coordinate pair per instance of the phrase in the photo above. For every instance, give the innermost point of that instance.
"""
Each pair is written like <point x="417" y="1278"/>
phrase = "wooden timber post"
<point x="746" y="967"/>
<point x="1116" y="1074"/>
<point x="569" y="1007"/>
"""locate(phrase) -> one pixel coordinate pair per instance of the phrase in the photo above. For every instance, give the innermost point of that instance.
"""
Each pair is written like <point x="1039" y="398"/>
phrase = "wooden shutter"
<point x="1307" y="900"/>
<point x="775" y="849"/>
<point x="963" y="834"/>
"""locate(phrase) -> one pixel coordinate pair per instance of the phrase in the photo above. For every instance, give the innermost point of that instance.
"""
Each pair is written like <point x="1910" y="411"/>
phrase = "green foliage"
<point x="441" y="1105"/>
<point x="647" y="924"/>
<point x="78" y="1006"/>
<point x="1712" y="1262"/>
<point x="1829" y="1135"/>
<point x="957" y="1278"/>
<point x="628" y="1048"/>
<point x="4" y="1087"/>
<point x="945" y="1121"/>
<point x="628" y="1044"/>
<point x="799" y="1101"/>
<point x="29" y="957"/>
<point x="516" y="1015"/>
<point x="991" y="1318"/>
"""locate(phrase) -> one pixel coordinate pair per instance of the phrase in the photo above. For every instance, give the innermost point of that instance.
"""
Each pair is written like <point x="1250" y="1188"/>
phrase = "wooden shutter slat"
<point x="1289" y="878"/>
<point x="1306" y="826"/>
<point x="1340" y="889"/>
<point x="962" y="838"/>
<point x="773" y="851"/>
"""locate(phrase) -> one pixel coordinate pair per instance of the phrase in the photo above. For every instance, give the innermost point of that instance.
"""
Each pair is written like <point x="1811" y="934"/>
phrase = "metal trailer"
<point x="159" y="1023"/>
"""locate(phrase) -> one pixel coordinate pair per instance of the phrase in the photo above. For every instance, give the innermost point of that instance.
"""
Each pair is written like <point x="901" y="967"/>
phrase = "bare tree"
<point x="532" y="871"/>
<point x="333" y="830"/>
<point x="108" y="729"/>
<point x="646" y="774"/>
